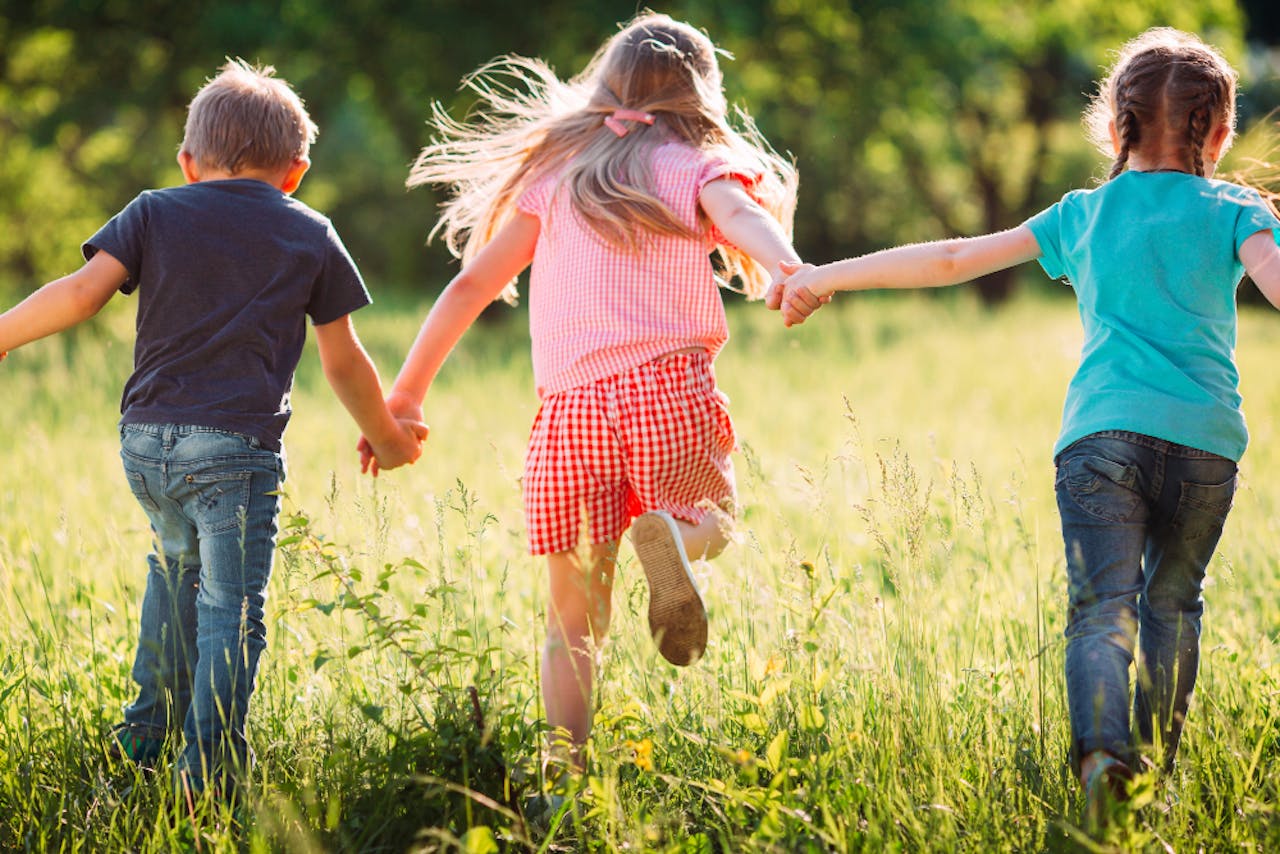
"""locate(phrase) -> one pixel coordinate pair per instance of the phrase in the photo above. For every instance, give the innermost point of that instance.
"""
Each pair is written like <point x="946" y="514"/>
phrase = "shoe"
<point x="1106" y="786"/>
<point x="677" y="618"/>
<point x="141" y="744"/>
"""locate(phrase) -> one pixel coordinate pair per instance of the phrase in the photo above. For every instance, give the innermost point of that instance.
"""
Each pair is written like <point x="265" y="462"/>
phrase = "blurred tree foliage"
<point x="909" y="119"/>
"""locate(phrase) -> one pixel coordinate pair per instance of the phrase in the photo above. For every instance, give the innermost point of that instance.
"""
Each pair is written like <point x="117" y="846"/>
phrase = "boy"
<point x="227" y="269"/>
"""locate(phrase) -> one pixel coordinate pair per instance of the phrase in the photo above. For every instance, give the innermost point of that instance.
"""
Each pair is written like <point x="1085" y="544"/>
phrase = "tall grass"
<point x="885" y="665"/>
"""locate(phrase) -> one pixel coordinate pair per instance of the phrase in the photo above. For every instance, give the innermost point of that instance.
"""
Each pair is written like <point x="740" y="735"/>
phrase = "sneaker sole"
<point x="677" y="618"/>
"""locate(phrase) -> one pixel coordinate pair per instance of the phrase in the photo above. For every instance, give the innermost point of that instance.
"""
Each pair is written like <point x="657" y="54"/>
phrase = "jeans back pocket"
<point x="1101" y="487"/>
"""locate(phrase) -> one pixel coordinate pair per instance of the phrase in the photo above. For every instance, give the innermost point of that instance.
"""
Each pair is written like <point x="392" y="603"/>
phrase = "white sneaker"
<point x="677" y="618"/>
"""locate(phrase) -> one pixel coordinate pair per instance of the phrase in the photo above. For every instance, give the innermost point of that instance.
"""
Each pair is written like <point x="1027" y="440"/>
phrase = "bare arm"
<point x="1261" y="259"/>
<point x="466" y="296"/>
<point x="920" y="265"/>
<point x="63" y="302"/>
<point x="747" y="225"/>
<point x="462" y="301"/>
<point x="354" y="380"/>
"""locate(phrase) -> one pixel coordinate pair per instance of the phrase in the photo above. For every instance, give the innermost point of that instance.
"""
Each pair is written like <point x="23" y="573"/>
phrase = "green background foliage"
<point x="885" y="666"/>
<point x="908" y="119"/>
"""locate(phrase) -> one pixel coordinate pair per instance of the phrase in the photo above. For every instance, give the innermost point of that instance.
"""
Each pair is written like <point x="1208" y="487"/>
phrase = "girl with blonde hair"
<point x="616" y="186"/>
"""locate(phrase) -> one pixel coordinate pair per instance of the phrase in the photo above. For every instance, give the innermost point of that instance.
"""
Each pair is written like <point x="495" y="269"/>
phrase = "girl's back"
<point x="1153" y="257"/>
<point x="596" y="308"/>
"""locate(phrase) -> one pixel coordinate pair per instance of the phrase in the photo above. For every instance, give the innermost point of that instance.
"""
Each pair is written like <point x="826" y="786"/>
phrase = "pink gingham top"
<point x="596" y="310"/>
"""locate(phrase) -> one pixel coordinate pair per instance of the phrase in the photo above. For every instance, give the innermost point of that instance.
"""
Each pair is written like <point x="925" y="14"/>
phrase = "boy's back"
<point x="227" y="269"/>
<point x="227" y="272"/>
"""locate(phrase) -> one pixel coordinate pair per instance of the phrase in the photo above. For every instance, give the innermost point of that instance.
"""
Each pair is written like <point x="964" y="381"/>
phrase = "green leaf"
<point x="811" y="718"/>
<point x="777" y="751"/>
<point x="479" y="840"/>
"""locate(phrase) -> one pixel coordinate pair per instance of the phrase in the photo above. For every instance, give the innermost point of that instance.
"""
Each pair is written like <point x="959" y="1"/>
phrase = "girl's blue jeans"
<point x="213" y="500"/>
<point x="1140" y="520"/>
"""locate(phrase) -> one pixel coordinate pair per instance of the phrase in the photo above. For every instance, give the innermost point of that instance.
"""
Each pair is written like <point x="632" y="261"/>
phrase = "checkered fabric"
<point x="657" y="437"/>
<point x="596" y="310"/>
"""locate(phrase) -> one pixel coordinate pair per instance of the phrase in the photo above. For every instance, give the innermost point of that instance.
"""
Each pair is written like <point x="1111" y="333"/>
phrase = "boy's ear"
<point x="293" y="177"/>
<point x="190" y="169"/>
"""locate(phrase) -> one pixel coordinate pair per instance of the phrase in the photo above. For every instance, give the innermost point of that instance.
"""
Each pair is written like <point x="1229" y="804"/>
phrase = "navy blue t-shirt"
<point x="227" y="273"/>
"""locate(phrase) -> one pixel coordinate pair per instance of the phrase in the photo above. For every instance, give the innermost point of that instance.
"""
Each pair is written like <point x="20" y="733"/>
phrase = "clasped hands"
<point x="792" y="294"/>
<point x="405" y="447"/>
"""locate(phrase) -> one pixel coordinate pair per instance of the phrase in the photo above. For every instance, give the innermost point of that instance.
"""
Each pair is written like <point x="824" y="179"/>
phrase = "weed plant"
<point x="884" y="671"/>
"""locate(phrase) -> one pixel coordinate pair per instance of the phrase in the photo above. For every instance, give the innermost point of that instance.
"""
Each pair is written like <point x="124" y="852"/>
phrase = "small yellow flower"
<point x="641" y="753"/>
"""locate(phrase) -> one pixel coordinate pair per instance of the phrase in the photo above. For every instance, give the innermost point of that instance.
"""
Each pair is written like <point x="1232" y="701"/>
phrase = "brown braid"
<point x="1127" y="130"/>
<point x="1198" y="125"/>
<point x="1201" y="104"/>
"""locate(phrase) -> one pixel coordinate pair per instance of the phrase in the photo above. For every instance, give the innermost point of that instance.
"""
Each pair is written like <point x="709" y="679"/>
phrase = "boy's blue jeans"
<point x="212" y="499"/>
<point x="1140" y="520"/>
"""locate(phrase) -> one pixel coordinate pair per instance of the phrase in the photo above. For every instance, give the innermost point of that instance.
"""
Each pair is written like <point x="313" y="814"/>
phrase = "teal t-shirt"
<point x="1154" y="260"/>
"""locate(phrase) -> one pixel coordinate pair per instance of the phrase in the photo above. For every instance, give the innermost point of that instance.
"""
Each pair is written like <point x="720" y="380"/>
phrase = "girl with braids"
<point x="1152" y="426"/>
<point x="616" y="186"/>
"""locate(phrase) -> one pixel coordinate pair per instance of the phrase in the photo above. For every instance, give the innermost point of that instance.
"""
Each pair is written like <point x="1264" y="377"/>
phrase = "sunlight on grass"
<point x="884" y="670"/>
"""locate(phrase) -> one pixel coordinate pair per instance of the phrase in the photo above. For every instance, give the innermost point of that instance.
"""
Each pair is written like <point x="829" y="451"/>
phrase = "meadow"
<point x="885" y="666"/>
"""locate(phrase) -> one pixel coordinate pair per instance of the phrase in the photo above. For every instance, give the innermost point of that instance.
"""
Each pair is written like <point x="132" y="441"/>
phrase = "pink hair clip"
<point x="615" y="121"/>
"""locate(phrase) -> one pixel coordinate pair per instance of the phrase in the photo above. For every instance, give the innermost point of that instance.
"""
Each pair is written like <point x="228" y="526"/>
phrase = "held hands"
<point x="406" y="446"/>
<point x="794" y="295"/>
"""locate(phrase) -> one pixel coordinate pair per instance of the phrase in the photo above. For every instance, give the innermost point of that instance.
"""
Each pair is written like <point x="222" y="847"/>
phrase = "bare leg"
<point x="708" y="538"/>
<point x="578" y="612"/>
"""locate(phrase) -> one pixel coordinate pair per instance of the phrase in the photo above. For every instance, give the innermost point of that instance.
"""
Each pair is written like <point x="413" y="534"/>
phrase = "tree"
<point x="926" y="119"/>
<point x="909" y="119"/>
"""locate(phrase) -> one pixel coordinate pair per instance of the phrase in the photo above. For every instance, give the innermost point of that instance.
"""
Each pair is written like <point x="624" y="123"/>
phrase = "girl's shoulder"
<point x="677" y="160"/>
<point x="675" y="153"/>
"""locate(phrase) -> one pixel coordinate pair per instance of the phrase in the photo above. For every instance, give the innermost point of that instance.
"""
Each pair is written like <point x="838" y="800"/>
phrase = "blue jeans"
<point x="212" y="499"/>
<point x="1140" y="520"/>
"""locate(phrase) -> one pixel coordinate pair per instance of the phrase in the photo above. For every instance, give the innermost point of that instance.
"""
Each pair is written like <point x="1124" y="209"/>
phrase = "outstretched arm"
<point x="920" y="265"/>
<point x="63" y="302"/>
<point x="1261" y="259"/>
<point x="354" y="380"/>
<point x="747" y="225"/>
<point x="461" y="302"/>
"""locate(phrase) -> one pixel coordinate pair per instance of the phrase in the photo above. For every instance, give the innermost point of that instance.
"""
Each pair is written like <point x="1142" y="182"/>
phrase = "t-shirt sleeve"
<point x="716" y="168"/>
<point x="122" y="237"/>
<point x="1255" y="216"/>
<point x="536" y="199"/>
<point x="339" y="289"/>
<point x="1047" y="228"/>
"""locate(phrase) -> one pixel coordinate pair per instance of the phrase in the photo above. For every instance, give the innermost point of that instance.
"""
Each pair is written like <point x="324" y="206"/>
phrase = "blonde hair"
<point x="1166" y="86"/>
<point x="246" y="118"/>
<point x="531" y="124"/>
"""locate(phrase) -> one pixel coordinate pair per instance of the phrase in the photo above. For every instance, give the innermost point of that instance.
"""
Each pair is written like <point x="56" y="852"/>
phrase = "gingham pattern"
<point x="596" y="310"/>
<point x="657" y="437"/>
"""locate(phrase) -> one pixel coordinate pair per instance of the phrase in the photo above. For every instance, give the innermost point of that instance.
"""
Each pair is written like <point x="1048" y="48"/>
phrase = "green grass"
<point x="884" y="672"/>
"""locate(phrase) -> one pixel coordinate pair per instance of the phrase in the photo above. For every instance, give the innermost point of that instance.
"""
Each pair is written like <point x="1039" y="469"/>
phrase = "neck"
<point x="1167" y="159"/>
<point x="267" y="176"/>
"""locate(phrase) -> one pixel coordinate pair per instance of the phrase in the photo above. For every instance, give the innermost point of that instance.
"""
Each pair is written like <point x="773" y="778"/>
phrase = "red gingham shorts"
<point x="657" y="437"/>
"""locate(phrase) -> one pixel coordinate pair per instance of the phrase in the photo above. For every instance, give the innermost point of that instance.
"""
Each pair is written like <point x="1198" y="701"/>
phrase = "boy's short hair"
<point x="246" y="118"/>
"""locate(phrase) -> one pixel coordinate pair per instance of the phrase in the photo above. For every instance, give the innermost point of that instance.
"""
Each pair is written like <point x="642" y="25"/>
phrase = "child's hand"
<point x="405" y="449"/>
<point x="408" y="412"/>
<point x="794" y="297"/>
<point x="403" y="407"/>
<point x="778" y="287"/>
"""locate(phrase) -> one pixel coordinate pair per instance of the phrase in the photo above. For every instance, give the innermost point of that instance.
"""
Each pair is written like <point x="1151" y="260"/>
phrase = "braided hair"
<point x="1167" y="87"/>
